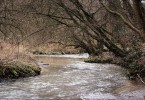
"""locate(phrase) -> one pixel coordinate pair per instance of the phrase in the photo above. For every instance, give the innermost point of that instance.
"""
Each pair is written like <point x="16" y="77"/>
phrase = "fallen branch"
<point x="140" y="79"/>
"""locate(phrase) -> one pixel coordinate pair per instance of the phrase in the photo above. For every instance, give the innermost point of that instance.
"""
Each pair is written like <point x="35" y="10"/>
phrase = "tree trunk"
<point x="139" y="19"/>
<point x="113" y="47"/>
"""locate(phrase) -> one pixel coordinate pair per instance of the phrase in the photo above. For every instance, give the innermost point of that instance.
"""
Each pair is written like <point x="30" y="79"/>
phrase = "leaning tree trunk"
<point x="112" y="46"/>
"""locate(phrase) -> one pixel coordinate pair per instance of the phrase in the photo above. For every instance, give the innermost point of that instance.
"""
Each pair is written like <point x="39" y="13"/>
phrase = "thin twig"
<point x="140" y="79"/>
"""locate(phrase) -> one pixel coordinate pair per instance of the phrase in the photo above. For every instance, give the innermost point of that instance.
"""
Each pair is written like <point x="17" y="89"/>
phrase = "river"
<point x="67" y="77"/>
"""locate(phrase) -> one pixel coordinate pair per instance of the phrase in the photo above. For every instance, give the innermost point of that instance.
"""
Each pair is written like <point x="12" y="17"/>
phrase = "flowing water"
<point x="67" y="77"/>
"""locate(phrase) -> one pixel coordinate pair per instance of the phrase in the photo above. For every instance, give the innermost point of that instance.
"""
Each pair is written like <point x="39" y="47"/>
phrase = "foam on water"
<point x="84" y="55"/>
<point x="98" y="96"/>
<point x="67" y="79"/>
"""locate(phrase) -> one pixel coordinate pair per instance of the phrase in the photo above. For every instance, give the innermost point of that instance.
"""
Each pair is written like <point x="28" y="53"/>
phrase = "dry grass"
<point x="10" y="53"/>
<point x="54" y="47"/>
<point x="15" y="62"/>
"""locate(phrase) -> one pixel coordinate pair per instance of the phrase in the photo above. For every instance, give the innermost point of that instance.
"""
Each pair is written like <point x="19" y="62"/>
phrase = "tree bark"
<point x="139" y="18"/>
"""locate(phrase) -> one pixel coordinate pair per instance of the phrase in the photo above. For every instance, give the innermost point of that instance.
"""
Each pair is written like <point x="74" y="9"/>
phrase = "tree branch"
<point x="124" y="20"/>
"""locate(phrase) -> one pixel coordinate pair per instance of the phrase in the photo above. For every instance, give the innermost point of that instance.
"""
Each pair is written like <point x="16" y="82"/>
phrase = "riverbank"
<point x="15" y="62"/>
<point x="24" y="65"/>
<point x="105" y="57"/>
<point x="133" y="63"/>
<point x="132" y="90"/>
<point x="54" y="49"/>
<point x="17" y="69"/>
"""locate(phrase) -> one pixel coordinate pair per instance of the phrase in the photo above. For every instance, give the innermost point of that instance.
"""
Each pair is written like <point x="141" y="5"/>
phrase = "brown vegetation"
<point x="16" y="63"/>
<point x="93" y="26"/>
